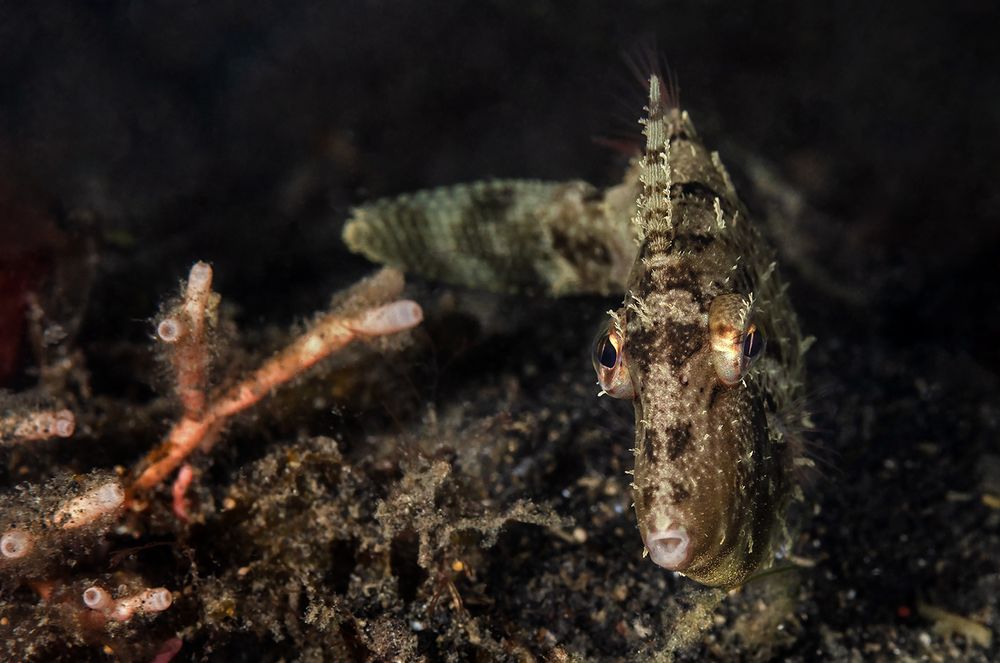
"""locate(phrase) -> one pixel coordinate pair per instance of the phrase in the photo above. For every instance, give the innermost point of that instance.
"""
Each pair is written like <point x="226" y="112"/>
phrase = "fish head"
<point x="707" y="478"/>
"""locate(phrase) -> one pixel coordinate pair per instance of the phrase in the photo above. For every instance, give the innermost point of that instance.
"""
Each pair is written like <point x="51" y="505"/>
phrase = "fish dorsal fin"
<point x="654" y="213"/>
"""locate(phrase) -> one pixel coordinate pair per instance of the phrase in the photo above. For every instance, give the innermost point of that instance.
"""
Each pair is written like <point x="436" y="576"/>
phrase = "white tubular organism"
<point x="101" y="501"/>
<point x="16" y="544"/>
<point x="38" y="425"/>
<point x="97" y="598"/>
<point x="146" y="602"/>
<point x="389" y="318"/>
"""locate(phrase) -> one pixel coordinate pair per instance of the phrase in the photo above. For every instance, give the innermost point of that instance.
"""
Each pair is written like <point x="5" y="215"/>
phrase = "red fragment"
<point x="167" y="651"/>
<point x="179" y="490"/>
<point x="30" y="243"/>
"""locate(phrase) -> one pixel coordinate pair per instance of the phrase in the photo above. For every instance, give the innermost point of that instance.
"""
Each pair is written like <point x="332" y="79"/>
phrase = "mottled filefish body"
<point x="712" y="463"/>
<point x="713" y="407"/>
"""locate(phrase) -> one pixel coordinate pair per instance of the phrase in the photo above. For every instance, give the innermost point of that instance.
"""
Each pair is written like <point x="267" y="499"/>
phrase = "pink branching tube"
<point x="184" y="330"/>
<point x="326" y="336"/>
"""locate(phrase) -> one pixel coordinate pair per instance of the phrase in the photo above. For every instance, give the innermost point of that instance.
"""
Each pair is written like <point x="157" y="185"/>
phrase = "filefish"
<point x="706" y="344"/>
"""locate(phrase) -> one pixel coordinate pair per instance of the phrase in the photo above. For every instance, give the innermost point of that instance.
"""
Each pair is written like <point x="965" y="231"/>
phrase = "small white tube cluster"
<point x="146" y="602"/>
<point x="36" y="425"/>
<point x="33" y="535"/>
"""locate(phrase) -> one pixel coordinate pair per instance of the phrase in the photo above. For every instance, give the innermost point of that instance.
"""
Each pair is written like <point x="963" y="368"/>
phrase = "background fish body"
<point x="553" y="238"/>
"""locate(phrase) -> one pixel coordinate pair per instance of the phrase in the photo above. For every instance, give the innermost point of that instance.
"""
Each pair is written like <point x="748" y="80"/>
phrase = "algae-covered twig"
<point x="182" y="331"/>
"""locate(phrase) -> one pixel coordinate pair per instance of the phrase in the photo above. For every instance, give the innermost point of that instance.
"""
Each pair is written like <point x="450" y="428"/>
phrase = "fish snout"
<point x="670" y="547"/>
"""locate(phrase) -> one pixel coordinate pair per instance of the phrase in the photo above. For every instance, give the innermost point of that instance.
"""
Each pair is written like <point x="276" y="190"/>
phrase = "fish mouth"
<point x="669" y="548"/>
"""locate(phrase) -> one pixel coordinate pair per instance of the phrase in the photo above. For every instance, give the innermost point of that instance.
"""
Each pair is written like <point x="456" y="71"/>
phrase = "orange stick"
<point x="325" y="337"/>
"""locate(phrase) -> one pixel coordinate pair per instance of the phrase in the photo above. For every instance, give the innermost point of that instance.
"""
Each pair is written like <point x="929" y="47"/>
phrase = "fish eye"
<point x="607" y="348"/>
<point x="736" y="340"/>
<point x="753" y="343"/>
<point x="609" y="363"/>
<point x="605" y="352"/>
